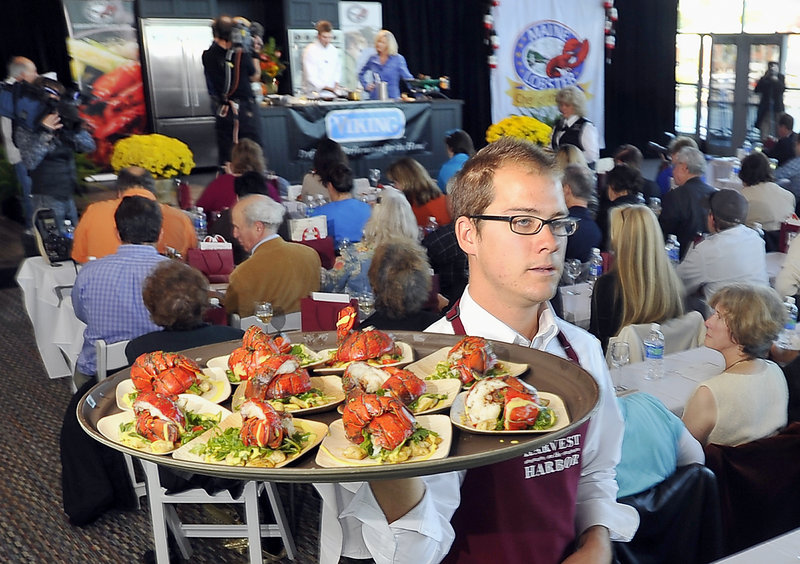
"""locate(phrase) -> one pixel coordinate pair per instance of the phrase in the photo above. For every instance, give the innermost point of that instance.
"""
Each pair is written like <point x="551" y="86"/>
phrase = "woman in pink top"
<point x="426" y="200"/>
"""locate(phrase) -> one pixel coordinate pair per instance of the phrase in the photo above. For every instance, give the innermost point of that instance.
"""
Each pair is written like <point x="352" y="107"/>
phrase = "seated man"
<point x="96" y="236"/>
<point x="578" y="185"/>
<point x="107" y="295"/>
<point x="682" y="211"/>
<point x="731" y="253"/>
<point x="279" y="272"/>
<point x="783" y="149"/>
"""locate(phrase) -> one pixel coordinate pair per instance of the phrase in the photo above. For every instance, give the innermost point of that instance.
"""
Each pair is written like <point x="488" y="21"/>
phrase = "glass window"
<point x="792" y="65"/>
<point x="771" y="16"/>
<point x="710" y="16"/>
<point x="687" y="58"/>
<point x="686" y="109"/>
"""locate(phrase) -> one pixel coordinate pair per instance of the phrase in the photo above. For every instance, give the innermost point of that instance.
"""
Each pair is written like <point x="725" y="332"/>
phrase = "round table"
<point x="548" y="373"/>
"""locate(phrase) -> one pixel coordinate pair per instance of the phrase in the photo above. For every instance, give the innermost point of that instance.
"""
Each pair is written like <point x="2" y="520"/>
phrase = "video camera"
<point x="240" y="35"/>
<point x="27" y="104"/>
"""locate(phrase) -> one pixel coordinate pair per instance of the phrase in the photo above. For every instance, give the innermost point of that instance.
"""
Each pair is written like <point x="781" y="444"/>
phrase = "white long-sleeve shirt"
<point x="322" y="67"/>
<point x="362" y="526"/>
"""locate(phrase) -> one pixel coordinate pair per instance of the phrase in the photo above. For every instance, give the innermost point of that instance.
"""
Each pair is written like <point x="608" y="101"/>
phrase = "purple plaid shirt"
<point x="108" y="297"/>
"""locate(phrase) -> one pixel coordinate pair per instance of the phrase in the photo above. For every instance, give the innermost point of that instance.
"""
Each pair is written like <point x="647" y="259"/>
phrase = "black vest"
<point x="55" y="175"/>
<point x="572" y="135"/>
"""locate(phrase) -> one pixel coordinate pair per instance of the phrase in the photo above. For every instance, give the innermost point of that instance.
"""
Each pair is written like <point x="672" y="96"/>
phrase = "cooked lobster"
<point x="384" y="418"/>
<point x="404" y="384"/>
<point x="365" y="345"/>
<point x="360" y="378"/>
<point x="471" y="358"/>
<point x="158" y="417"/>
<point x="166" y="373"/>
<point x="262" y="426"/>
<point x="505" y="396"/>
<point x="278" y="377"/>
<point x="256" y="348"/>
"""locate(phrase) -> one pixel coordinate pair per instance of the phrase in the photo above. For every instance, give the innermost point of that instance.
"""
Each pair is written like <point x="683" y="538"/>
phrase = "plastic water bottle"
<point x="200" y="226"/>
<point x="431" y="226"/>
<point x="595" y="266"/>
<point x="654" y="353"/>
<point x="69" y="230"/>
<point x="786" y="338"/>
<point x="673" y="248"/>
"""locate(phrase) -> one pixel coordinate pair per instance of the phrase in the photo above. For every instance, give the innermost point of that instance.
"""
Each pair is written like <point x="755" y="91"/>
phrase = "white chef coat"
<point x="322" y="67"/>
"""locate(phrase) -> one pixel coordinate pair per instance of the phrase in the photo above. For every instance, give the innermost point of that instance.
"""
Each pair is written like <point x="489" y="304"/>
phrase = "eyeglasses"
<point x="531" y="225"/>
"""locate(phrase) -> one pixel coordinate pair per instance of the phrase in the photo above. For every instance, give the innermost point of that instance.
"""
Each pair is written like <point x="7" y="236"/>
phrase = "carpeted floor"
<point x="33" y="526"/>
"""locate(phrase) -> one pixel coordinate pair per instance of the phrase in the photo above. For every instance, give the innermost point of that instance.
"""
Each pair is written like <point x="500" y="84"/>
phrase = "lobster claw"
<point x="345" y="322"/>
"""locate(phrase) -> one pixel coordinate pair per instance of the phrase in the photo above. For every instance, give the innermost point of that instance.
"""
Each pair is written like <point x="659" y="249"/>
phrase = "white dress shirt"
<point x="589" y="138"/>
<point x="733" y="255"/>
<point x="322" y="67"/>
<point x="787" y="282"/>
<point x="362" y="526"/>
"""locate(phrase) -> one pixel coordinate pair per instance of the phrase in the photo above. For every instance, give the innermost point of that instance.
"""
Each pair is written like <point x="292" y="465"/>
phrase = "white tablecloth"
<point x="577" y="308"/>
<point x="683" y="371"/>
<point x="54" y="323"/>
<point x="780" y="550"/>
<point x="774" y="264"/>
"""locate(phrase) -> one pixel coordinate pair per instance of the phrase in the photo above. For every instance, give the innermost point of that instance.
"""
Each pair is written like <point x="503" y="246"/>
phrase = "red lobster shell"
<point x="386" y="419"/>
<point x="365" y="345"/>
<point x="404" y="384"/>
<point x="360" y="378"/>
<point x="166" y="373"/>
<point x="507" y="395"/>
<point x="256" y="347"/>
<point x="262" y="426"/>
<point x="472" y="357"/>
<point x="278" y="377"/>
<point x="158" y="417"/>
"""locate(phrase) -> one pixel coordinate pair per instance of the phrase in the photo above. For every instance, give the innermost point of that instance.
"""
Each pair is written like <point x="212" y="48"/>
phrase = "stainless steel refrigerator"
<point x="178" y="100"/>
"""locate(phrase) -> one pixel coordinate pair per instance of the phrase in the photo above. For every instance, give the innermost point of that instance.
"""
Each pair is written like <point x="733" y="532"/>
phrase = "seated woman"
<point x="569" y="154"/>
<point x="769" y="204"/>
<point x="246" y="155"/>
<point x="655" y="443"/>
<point x="425" y="198"/>
<point x="176" y="295"/>
<point x="749" y="400"/>
<point x="631" y="155"/>
<point x="622" y="188"/>
<point x="459" y="148"/>
<point x="391" y="218"/>
<point x="400" y="276"/>
<point x="327" y="154"/>
<point x="346" y="215"/>
<point x="642" y="286"/>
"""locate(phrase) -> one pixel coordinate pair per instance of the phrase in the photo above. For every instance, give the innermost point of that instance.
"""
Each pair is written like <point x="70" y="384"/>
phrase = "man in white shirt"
<point x="731" y="253"/>
<point x="512" y="222"/>
<point x="322" y="62"/>
<point x="19" y="69"/>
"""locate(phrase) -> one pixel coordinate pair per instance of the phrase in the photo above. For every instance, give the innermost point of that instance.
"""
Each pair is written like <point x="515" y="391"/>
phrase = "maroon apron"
<point x="523" y="509"/>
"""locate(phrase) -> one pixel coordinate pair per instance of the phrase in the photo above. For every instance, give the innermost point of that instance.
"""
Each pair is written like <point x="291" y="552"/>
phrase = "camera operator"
<point x="229" y="68"/>
<point x="20" y="69"/>
<point x="48" y="151"/>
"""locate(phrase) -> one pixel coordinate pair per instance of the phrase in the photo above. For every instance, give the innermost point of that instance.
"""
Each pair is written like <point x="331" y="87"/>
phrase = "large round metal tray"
<point x="547" y="372"/>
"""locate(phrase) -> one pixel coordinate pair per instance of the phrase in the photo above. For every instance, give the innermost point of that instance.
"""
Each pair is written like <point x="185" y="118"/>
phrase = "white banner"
<point x="547" y="45"/>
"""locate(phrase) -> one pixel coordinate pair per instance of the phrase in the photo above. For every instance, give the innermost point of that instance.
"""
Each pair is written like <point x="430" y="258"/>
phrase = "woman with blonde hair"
<point x="426" y="200"/>
<point x="386" y="65"/>
<point x="569" y="154"/>
<point x="749" y="400"/>
<point x="572" y="127"/>
<point x="642" y="286"/>
<point x="391" y="218"/>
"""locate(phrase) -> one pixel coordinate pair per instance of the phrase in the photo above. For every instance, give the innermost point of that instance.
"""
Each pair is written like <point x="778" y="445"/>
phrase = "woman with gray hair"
<point x="386" y="65"/>
<point x="391" y="218"/>
<point x="572" y="127"/>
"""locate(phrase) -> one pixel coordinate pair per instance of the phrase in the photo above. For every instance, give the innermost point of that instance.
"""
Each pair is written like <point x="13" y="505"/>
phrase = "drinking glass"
<point x="263" y="311"/>
<point x="366" y="303"/>
<point x="374" y="176"/>
<point x="620" y="356"/>
<point x="573" y="268"/>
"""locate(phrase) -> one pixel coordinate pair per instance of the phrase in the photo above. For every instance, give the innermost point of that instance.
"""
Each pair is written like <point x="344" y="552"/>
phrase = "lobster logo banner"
<point x="545" y="46"/>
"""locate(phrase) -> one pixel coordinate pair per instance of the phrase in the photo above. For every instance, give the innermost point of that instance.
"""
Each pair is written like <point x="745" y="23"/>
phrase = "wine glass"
<point x="655" y="205"/>
<point x="620" y="353"/>
<point x="263" y="311"/>
<point x="374" y="176"/>
<point x="572" y="268"/>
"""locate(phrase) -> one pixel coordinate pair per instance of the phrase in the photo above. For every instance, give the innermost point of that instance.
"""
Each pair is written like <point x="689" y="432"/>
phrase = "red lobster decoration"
<point x="572" y="56"/>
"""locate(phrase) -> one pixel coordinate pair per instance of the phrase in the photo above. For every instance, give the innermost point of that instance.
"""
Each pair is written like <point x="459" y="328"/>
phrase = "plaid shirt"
<point x="107" y="296"/>
<point x="790" y="170"/>
<point x="447" y="260"/>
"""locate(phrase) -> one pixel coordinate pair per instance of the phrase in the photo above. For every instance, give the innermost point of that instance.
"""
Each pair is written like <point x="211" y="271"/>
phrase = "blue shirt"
<point x="449" y="169"/>
<point x="107" y="296"/>
<point x="394" y="69"/>
<point x="346" y="219"/>
<point x="649" y="445"/>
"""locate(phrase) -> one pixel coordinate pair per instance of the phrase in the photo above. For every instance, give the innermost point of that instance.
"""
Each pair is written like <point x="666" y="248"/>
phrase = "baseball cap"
<point x="728" y="205"/>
